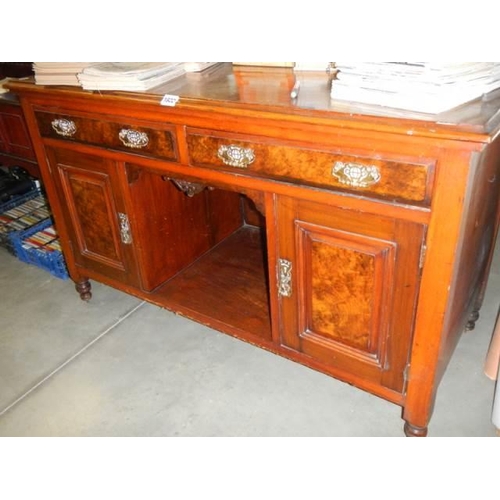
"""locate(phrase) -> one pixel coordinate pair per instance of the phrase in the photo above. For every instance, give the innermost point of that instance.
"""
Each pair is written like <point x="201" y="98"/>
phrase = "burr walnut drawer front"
<point x="158" y="141"/>
<point x="396" y="179"/>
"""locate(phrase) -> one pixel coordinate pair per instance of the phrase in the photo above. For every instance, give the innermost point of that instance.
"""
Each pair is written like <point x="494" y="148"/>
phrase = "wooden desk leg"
<point x="412" y="431"/>
<point x="473" y="317"/>
<point x="83" y="288"/>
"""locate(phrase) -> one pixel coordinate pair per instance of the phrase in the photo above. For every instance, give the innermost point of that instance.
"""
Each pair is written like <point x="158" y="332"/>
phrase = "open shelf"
<point x="227" y="288"/>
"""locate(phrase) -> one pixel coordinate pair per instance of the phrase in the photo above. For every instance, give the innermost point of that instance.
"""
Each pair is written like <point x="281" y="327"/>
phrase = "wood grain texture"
<point x="93" y="208"/>
<point x="165" y="242"/>
<point x="229" y="283"/>
<point x="91" y="199"/>
<point x="251" y="214"/>
<point x="16" y="148"/>
<point x="16" y="136"/>
<point x="162" y="142"/>
<point x="399" y="180"/>
<point x="474" y="251"/>
<point x="351" y="272"/>
<point x="341" y="298"/>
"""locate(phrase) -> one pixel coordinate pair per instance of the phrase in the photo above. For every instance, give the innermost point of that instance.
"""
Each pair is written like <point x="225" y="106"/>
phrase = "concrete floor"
<point x="117" y="366"/>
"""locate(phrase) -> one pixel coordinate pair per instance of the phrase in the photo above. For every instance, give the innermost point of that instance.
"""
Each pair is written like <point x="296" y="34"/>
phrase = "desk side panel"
<point x="475" y="247"/>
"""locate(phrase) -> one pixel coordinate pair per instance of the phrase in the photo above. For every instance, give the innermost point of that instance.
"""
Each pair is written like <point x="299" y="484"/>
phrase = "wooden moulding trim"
<point x="221" y="178"/>
<point x="420" y="128"/>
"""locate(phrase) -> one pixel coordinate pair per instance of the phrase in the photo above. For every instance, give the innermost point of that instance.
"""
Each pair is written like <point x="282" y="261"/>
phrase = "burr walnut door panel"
<point x="347" y="287"/>
<point x="95" y="213"/>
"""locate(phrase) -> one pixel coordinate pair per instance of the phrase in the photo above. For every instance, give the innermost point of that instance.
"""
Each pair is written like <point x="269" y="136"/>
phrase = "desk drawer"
<point x="159" y="142"/>
<point x="386" y="178"/>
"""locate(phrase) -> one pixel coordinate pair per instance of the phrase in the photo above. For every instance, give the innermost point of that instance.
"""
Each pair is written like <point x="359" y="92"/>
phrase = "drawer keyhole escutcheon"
<point x="125" y="235"/>
<point x="284" y="278"/>
<point x="133" y="138"/>
<point x="236" y="156"/>
<point x="355" y="174"/>
<point x="64" y="127"/>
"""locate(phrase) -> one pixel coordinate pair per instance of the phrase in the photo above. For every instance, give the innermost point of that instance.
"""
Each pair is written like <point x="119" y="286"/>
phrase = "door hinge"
<point x="423" y="251"/>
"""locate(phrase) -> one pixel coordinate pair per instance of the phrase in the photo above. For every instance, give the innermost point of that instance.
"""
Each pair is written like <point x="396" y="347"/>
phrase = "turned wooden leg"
<point x="83" y="288"/>
<point x="471" y="324"/>
<point x="412" y="431"/>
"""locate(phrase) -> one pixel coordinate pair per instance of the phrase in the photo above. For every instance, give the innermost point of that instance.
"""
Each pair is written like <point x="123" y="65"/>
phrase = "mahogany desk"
<point x="355" y="241"/>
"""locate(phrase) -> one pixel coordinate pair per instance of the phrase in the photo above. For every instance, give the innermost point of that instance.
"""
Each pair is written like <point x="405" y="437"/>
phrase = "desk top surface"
<point x="267" y="90"/>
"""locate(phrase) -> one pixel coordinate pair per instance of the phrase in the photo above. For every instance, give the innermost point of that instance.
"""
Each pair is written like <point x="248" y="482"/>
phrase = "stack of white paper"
<point x="417" y="86"/>
<point x="58" y="73"/>
<point x="129" y="76"/>
<point x="194" y="67"/>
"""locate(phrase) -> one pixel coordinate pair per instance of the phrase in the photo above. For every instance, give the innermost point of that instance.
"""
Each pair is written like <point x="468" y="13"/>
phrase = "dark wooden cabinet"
<point x="356" y="243"/>
<point x="15" y="144"/>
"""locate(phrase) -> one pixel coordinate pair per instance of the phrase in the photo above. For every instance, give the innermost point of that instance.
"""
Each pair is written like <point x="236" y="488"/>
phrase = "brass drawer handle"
<point x="355" y="174"/>
<point x="236" y="156"/>
<point x="133" y="138"/>
<point x="64" y="127"/>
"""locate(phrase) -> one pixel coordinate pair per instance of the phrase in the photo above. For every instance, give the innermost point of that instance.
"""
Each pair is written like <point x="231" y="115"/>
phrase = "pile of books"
<point x="415" y="86"/>
<point x="132" y="76"/>
<point x="58" y="73"/>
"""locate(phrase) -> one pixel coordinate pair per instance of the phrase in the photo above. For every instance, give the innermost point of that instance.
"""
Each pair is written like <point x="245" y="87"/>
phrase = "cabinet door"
<point x="91" y="199"/>
<point x="3" y="135"/>
<point x="14" y="137"/>
<point x="347" y="286"/>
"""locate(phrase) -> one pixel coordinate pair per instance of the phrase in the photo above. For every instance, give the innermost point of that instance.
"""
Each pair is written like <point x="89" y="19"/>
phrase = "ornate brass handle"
<point x="356" y="174"/>
<point x="133" y="138"/>
<point x="125" y="235"/>
<point x="236" y="156"/>
<point x="64" y="127"/>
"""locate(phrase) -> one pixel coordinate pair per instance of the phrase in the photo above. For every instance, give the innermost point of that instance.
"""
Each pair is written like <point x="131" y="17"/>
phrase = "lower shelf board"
<point x="227" y="288"/>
